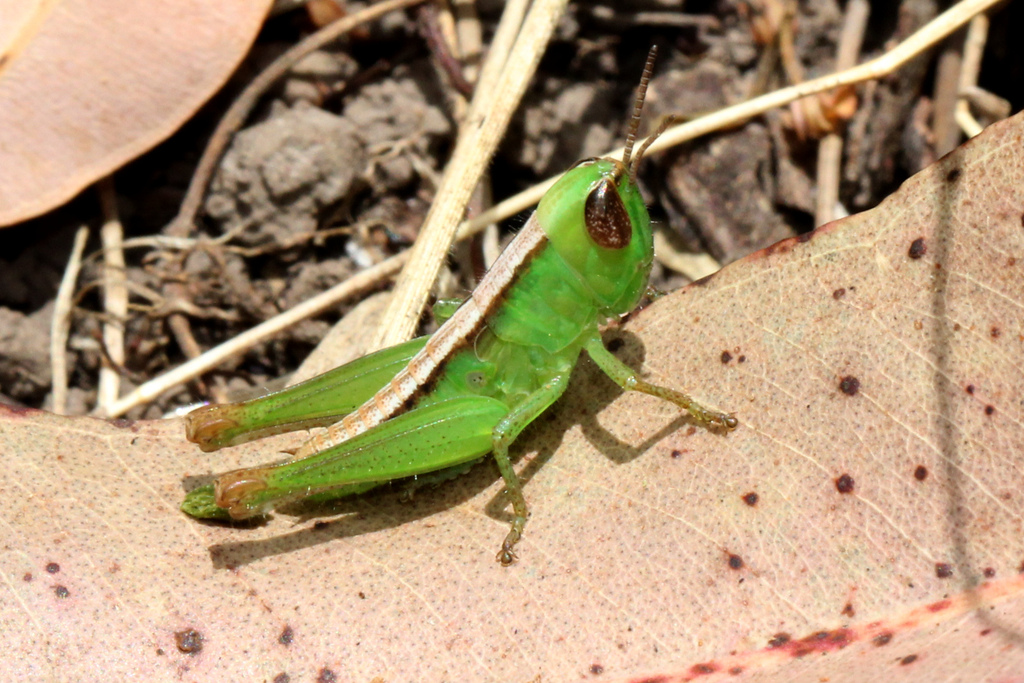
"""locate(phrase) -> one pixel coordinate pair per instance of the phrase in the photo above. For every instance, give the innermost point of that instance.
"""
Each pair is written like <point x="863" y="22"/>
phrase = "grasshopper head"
<point x="595" y="219"/>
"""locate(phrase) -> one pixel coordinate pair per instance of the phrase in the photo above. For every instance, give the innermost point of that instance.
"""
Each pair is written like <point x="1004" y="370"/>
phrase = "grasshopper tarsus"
<point x="507" y="554"/>
<point x="712" y="419"/>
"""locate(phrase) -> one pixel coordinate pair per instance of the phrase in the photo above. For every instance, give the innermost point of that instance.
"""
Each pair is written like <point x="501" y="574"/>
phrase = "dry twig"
<point x="61" y="323"/>
<point x="115" y="295"/>
<point x="974" y="46"/>
<point x="830" y="149"/>
<point x="484" y="127"/>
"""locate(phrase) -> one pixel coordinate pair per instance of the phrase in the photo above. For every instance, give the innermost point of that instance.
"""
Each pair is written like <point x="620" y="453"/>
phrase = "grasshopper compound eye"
<point x="605" y="216"/>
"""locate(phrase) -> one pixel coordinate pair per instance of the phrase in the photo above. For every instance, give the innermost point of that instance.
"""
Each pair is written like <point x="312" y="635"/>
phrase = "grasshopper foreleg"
<point x="628" y="378"/>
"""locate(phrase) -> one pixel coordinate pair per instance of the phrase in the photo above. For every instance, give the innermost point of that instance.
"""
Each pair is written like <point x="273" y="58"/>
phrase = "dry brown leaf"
<point x="862" y="524"/>
<point x="88" y="85"/>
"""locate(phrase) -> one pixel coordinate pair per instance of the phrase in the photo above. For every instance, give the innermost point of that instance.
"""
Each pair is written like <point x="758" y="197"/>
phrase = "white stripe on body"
<point x="388" y="401"/>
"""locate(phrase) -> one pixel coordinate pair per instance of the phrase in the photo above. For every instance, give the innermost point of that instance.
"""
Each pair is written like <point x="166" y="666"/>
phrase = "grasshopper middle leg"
<point x="504" y="433"/>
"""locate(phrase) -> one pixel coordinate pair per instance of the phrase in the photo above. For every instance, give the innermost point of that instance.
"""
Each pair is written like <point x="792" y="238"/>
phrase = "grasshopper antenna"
<point x="669" y="120"/>
<point x="638" y="106"/>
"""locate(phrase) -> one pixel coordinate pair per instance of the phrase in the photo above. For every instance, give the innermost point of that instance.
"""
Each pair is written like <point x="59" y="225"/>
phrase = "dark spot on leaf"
<point x="52" y="568"/>
<point x="839" y="293"/>
<point x="985" y="632"/>
<point x="726" y="357"/>
<point x="735" y="562"/>
<point x="849" y="385"/>
<point x="848" y="610"/>
<point x="287" y="636"/>
<point x="160" y="652"/>
<point x="989" y="572"/>
<point x="703" y="669"/>
<point x="909" y="659"/>
<point x="189" y="641"/>
<point x="844" y="484"/>
<point x="940" y="605"/>
<point x="320" y="524"/>
<point x="921" y="473"/>
<point x="953" y="175"/>
<point x="882" y="639"/>
<point x="616" y="344"/>
<point x="596" y="669"/>
<point x="741" y="359"/>
<point x="676" y="454"/>
<point x="61" y="592"/>
<point x="943" y="570"/>
<point x="969" y="389"/>
<point x="282" y="678"/>
<point x="736" y="670"/>
<point x="995" y="332"/>
<point x="326" y="676"/>
<point x="750" y="498"/>
<point x="1011" y="261"/>
<point x="989" y="410"/>
<point x="778" y="640"/>
<point x="820" y="641"/>
<point x="917" y="248"/>
<point x="122" y="423"/>
<point x="956" y="327"/>
<point x="781" y="247"/>
<point x="362" y="595"/>
<point x="26" y="577"/>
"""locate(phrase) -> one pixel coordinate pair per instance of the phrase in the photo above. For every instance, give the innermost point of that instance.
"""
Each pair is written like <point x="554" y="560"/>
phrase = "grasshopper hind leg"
<point x="432" y="439"/>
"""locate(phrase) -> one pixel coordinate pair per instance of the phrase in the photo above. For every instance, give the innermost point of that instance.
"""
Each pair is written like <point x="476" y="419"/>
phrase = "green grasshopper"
<point x="429" y="409"/>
